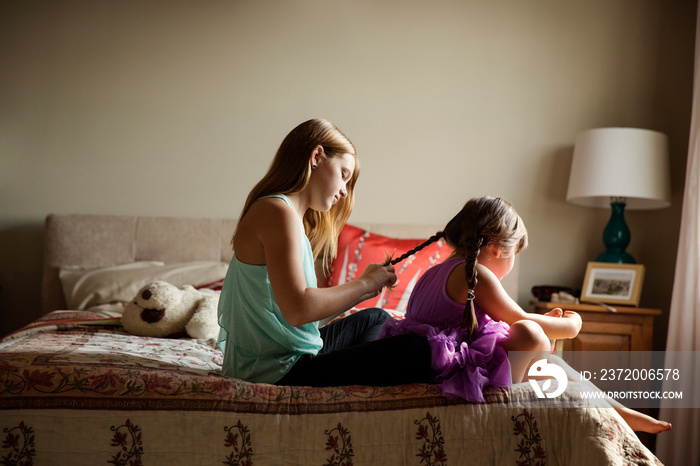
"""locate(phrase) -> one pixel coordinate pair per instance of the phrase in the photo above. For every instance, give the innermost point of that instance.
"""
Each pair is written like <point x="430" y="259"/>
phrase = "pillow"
<point x="84" y="288"/>
<point x="215" y="286"/>
<point x="357" y="248"/>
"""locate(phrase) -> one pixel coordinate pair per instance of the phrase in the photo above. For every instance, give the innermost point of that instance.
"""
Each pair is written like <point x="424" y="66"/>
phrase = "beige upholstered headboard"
<point x="103" y="240"/>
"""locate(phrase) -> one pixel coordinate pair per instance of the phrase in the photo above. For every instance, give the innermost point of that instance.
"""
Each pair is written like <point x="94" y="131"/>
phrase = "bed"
<point x="76" y="389"/>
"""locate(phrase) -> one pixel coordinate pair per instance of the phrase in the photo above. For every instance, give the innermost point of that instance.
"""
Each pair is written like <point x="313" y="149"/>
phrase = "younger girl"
<point x="479" y="336"/>
<point x="270" y="306"/>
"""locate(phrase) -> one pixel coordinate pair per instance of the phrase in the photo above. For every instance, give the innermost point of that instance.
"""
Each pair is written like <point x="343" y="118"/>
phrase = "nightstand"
<point x="628" y="329"/>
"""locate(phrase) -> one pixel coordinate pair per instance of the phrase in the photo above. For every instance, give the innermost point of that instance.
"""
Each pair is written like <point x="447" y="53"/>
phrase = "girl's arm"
<point x="277" y="228"/>
<point x="492" y="298"/>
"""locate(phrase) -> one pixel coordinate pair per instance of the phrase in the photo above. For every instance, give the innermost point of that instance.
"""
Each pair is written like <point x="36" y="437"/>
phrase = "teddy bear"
<point x="161" y="309"/>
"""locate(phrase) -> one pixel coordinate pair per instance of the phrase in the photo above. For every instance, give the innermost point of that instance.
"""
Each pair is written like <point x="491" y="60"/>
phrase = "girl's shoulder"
<point x="267" y="217"/>
<point x="486" y="278"/>
<point x="269" y="209"/>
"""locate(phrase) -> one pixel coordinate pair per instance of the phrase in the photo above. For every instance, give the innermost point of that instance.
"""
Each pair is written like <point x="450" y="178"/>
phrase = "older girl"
<point x="270" y="306"/>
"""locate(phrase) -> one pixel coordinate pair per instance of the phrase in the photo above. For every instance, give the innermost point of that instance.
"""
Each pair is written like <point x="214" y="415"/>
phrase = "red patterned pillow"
<point x="216" y="286"/>
<point x="357" y="248"/>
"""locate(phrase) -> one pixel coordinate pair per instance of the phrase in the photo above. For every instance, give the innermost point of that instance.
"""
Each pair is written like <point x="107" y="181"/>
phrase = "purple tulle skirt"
<point x="463" y="366"/>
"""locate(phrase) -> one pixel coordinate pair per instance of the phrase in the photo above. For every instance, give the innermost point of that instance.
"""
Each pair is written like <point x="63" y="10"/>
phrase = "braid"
<point x="425" y="243"/>
<point x="473" y="247"/>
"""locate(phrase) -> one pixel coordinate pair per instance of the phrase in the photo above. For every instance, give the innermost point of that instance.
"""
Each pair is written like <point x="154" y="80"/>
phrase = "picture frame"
<point x="613" y="283"/>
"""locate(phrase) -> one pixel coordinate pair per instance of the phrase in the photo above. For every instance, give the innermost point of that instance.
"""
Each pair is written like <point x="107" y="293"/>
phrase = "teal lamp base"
<point x="616" y="237"/>
<point x="617" y="257"/>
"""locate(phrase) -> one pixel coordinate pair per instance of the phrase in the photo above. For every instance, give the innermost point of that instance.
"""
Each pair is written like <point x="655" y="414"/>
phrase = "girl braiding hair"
<point x="271" y="308"/>
<point x="482" y="221"/>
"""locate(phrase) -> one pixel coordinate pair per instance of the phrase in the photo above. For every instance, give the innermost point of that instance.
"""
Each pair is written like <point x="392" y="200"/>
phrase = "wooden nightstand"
<point x="628" y="329"/>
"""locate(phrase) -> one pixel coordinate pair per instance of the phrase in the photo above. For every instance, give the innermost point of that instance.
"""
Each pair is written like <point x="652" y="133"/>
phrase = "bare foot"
<point x="642" y="423"/>
<point x="556" y="312"/>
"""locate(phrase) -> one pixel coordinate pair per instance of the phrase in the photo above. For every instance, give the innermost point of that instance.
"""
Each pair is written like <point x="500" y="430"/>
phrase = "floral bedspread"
<point x="76" y="389"/>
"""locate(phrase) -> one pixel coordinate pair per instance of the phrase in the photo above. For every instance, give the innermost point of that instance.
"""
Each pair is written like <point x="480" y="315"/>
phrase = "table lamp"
<point x="620" y="167"/>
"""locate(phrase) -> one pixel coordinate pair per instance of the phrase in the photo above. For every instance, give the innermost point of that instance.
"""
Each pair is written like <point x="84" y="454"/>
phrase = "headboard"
<point x="103" y="240"/>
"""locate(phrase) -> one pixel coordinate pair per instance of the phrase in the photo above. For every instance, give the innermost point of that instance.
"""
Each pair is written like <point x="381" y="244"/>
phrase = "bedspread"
<point x="77" y="389"/>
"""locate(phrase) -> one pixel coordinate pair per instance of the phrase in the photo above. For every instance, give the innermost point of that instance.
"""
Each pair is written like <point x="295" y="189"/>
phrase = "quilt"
<point x="75" y="389"/>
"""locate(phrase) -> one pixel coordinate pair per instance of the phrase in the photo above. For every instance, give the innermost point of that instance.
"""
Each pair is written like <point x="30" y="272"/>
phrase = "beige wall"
<point x="175" y="108"/>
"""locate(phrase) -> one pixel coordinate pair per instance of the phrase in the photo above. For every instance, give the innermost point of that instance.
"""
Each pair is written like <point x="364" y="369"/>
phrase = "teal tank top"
<point x="257" y="342"/>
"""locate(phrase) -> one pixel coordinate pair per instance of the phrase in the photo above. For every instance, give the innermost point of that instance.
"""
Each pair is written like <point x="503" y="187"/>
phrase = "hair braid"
<point x="472" y="249"/>
<point x="418" y="248"/>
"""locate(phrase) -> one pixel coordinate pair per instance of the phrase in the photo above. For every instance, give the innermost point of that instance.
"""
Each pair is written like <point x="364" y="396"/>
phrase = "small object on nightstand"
<point x="544" y="292"/>
<point x="609" y="308"/>
<point x="613" y="283"/>
<point x="564" y="297"/>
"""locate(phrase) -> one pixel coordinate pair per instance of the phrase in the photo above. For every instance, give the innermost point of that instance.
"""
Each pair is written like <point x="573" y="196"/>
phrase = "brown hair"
<point x="482" y="221"/>
<point x="290" y="172"/>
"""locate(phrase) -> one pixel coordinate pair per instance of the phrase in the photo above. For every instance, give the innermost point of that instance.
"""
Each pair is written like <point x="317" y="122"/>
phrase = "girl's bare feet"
<point x="640" y="422"/>
<point x="556" y="312"/>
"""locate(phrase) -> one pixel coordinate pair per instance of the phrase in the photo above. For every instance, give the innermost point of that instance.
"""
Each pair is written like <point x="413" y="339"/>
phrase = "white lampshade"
<point x="625" y="163"/>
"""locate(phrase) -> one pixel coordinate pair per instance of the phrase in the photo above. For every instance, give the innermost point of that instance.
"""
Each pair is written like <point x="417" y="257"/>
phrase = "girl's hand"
<point x="377" y="276"/>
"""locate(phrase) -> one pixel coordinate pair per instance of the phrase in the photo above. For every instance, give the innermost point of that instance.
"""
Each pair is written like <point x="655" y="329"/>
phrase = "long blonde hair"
<point x="290" y="172"/>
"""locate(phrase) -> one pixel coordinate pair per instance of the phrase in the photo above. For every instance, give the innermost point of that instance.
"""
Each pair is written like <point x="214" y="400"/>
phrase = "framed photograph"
<point x="612" y="283"/>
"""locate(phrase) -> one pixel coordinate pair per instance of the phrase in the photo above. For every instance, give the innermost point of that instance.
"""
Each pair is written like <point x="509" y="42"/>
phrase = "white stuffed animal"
<point x="161" y="309"/>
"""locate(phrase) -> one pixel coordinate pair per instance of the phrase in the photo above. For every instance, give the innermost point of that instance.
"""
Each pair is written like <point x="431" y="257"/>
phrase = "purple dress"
<point x="463" y="366"/>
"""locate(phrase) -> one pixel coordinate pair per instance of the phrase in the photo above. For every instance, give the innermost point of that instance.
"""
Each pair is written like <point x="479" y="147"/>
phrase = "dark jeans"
<point x="351" y="355"/>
